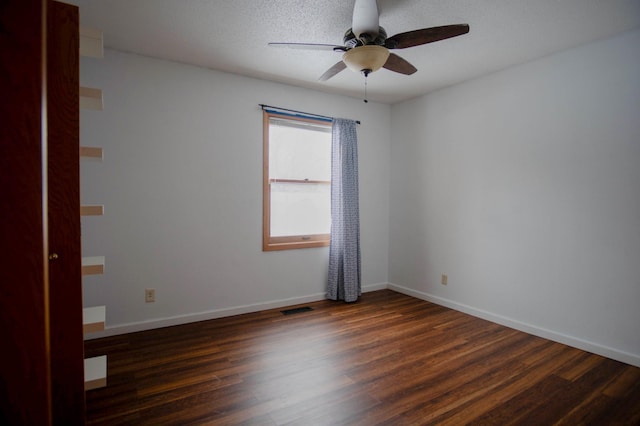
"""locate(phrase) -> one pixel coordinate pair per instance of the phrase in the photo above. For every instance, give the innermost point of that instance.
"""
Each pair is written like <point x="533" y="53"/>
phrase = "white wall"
<point x="181" y="182"/>
<point x="524" y="187"/>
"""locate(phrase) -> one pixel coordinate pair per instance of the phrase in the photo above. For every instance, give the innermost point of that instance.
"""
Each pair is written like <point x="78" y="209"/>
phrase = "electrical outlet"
<point x="444" y="280"/>
<point x="149" y="295"/>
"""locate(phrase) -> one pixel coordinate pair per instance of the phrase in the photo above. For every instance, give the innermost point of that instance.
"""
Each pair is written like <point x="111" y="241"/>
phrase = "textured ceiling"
<point x="232" y="36"/>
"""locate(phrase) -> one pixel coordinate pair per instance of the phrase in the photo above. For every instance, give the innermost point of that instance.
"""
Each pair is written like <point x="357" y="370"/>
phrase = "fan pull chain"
<point x="365" y="88"/>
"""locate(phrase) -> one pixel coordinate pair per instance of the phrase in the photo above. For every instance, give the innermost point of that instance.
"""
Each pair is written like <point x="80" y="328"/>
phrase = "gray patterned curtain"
<point x="344" y="250"/>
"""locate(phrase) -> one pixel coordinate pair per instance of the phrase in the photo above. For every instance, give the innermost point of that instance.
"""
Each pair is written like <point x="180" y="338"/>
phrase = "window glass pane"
<point x="300" y="209"/>
<point x="299" y="152"/>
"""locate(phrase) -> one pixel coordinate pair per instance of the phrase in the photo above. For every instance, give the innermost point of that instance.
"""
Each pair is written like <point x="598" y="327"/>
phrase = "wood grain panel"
<point x="25" y="397"/>
<point x="387" y="359"/>
<point x="67" y="368"/>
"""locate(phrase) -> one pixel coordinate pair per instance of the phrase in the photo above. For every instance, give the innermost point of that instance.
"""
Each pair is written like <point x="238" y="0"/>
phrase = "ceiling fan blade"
<point x="339" y="66"/>
<point x="311" y="46"/>
<point x="397" y="64"/>
<point x="425" y="35"/>
<point x="365" y="18"/>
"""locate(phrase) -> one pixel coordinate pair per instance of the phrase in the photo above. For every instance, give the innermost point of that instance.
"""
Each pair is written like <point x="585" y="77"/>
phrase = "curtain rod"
<point x="263" y="106"/>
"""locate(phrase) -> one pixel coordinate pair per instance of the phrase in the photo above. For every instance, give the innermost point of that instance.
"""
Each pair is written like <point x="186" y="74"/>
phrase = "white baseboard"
<point x="575" y="342"/>
<point x="216" y="313"/>
<point x="375" y="287"/>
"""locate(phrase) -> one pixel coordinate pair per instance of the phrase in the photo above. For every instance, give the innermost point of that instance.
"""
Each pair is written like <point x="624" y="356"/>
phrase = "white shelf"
<point x="91" y="98"/>
<point x="93" y="319"/>
<point x="91" y="43"/>
<point x="92" y="210"/>
<point x="93" y="265"/>
<point x="95" y="372"/>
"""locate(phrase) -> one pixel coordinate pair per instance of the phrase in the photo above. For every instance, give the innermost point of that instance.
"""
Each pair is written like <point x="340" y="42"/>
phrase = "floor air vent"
<point x="297" y="310"/>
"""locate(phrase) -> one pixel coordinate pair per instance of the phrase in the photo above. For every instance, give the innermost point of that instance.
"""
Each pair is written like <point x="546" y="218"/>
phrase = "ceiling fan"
<point x="366" y="45"/>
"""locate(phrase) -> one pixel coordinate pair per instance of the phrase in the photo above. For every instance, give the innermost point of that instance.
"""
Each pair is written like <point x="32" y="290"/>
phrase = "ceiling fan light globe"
<point x="366" y="58"/>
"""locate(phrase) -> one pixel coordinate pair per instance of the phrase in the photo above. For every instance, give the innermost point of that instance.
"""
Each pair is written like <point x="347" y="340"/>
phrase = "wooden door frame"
<point x="27" y="392"/>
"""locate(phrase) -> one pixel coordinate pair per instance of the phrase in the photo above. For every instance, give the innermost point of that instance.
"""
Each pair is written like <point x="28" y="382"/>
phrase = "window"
<point x="296" y="182"/>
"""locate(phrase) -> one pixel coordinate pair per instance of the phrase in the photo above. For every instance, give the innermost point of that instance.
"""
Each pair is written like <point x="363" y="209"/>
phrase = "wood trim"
<point x="91" y="43"/>
<point x="92" y="270"/>
<point x="93" y="265"/>
<point x="266" y="197"/>
<point x="279" y="243"/>
<point x="93" y="327"/>
<point x="300" y="238"/>
<point x="316" y="121"/>
<point x="95" y="372"/>
<point x="301" y="181"/>
<point x="91" y="98"/>
<point x="65" y="294"/>
<point x="92" y="210"/>
<point x="91" y="152"/>
<point x="270" y="243"/>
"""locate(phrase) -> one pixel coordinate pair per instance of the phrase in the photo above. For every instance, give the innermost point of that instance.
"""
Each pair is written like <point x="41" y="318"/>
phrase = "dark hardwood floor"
<point x="387" y="359"/>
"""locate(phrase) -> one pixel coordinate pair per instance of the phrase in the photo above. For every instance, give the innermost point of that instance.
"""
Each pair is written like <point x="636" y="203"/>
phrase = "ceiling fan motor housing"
<point x="350" y="40"/>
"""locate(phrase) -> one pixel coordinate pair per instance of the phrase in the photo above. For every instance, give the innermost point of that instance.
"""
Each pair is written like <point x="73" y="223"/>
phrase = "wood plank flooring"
<point x="388" y="359"/>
